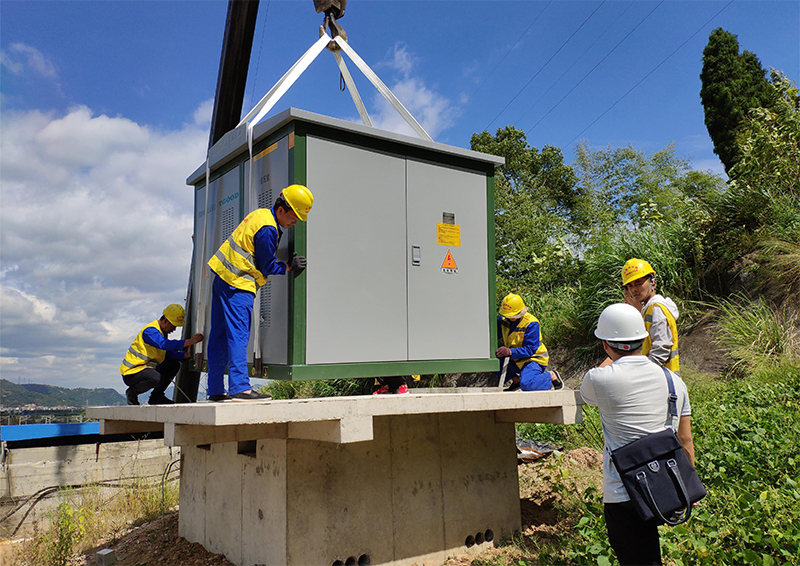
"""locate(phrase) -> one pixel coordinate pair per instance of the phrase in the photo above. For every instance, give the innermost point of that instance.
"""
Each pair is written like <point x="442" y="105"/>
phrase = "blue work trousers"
<point x="532" y="377"/>
<point x="231" y="313"/>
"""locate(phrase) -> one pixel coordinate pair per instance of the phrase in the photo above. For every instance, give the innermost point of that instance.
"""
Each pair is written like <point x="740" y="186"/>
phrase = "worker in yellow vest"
<point x="522" y="342"/>
<point x="660" y="313"/>
<point x="153" y="360"/>
<point x="242" y="264"/>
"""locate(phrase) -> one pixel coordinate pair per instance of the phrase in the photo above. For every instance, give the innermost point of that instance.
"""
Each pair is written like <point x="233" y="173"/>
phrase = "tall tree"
<point x="536" y="203"/>
<point x="626" y="187"/>
<point x="732" y="84"/>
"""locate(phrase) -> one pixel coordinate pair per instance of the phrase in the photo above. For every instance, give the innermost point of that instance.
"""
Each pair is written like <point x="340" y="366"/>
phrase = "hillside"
<point x="17" y="395"/>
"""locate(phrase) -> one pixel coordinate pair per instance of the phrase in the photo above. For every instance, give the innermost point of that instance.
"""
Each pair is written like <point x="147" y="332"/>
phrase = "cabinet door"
<point x="356" y="276"/>
<point x="448" y="303"/>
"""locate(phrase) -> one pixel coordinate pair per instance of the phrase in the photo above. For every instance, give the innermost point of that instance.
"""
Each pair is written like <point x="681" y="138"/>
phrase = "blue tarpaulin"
<point x="33" y="431"/>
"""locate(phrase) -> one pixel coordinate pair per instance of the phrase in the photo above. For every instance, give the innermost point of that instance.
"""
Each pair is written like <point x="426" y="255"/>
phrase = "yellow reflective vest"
<point x="142" y="355"/>
<point x="673" y="363"/>
<point x="234" y="261"/>
<point x="514" y="338"/>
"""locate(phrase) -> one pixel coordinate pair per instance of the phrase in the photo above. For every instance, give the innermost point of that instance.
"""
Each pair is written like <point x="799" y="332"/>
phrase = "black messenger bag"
<point x="657" y="474"/>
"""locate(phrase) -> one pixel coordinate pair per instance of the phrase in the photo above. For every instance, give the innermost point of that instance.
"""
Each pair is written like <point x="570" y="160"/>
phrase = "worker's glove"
<point x="298" y="264"/>
<point x="503" y="352"/>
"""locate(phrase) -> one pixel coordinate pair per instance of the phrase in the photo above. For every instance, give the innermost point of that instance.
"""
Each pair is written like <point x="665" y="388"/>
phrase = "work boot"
<point x="219" y="398"/>
<point x="251" y="396"/>
<point x="160" y="399"/>
<point x="133" y="398"/>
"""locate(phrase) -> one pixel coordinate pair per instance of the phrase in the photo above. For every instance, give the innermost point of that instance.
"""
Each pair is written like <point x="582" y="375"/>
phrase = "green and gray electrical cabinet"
<point x="400" y="248"/>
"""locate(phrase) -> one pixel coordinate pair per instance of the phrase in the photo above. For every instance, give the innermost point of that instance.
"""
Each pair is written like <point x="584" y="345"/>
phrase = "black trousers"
<point x="635" y="542"/>
<point x="157" y="379"/>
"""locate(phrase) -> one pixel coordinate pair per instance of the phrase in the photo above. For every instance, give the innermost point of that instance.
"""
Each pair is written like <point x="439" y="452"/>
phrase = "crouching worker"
<point x="152" y="361"/>
<point x="522" y="343"/>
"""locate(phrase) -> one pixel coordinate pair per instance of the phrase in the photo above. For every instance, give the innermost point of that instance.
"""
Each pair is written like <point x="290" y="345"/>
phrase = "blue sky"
<point x="105" y="111"/>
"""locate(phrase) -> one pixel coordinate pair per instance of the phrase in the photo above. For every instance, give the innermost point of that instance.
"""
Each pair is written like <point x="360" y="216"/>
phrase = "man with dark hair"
<point x="631" y="395"/>
<point x="242" y="265"/>
<point x="152" y="361"/>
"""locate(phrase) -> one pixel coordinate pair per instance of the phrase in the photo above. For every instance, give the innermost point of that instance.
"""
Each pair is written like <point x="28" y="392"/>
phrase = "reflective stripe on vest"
<point x="234" y="261"/>
<point x="514" y="339"/>
<point x="142" y="355"/>
<point x="673" y="361"/>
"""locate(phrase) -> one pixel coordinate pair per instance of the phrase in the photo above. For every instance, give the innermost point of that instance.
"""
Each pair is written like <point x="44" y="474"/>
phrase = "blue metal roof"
<point x="55" y="430"/>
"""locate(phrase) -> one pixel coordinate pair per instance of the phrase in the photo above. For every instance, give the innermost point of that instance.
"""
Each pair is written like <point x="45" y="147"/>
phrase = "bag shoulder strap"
<point x="672" y="399"/>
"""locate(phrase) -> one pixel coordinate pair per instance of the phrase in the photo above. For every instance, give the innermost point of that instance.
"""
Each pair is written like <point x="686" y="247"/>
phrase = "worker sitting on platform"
<point x="242" y="265"/>
<point x="152" y="361"/>
<point x="522" y="342"/>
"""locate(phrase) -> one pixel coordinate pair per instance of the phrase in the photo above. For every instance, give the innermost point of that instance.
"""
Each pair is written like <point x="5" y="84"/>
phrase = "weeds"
<point x="84" y="517"/>
<point x="755" y="335"/>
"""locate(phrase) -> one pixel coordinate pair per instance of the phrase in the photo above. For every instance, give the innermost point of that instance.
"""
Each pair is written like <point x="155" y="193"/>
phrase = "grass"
<point x="746" y="437"/>
<point x="85" y="516"/>
<point x="756" y="335"/>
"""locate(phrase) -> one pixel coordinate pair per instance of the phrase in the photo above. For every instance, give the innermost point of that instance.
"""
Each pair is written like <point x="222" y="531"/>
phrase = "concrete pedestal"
<point x="350" y="480"/>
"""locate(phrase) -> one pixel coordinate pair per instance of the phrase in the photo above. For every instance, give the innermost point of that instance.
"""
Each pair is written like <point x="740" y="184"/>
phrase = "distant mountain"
<point x="17" y="395"/>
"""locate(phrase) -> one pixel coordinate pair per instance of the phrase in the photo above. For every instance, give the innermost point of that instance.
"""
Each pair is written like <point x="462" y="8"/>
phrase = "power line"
<point x="576" y="62"/>
<point x="597" y="65"/>
<point x="460" y="110"/>
<point x="651" y="72"/>
<point x="545" y="65"/>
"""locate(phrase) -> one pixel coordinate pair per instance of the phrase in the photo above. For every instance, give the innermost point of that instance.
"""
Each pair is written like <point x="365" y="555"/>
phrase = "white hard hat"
<point x="620" y="322"/>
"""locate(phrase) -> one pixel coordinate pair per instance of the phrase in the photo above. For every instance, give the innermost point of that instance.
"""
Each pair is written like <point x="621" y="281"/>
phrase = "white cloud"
<point x="96" y="226"/>
<point x="432" y="110"/>
<point x="21" y="57"/>
<point x="203" y="114"/>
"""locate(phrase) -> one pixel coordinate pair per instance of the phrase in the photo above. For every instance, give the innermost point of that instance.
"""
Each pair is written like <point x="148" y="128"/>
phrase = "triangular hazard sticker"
<point x="449" y="264"/>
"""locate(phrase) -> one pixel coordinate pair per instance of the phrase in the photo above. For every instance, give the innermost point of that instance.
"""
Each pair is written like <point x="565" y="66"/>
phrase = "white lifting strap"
<point x="200" y="315"/>
<point x="268" y="102"/>
<point x="287" y="80"/>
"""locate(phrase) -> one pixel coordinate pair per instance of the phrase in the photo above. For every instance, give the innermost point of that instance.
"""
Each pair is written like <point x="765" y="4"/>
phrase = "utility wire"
<point x="545" y="65"/>
<point x="593" y="68"/>
<point x="576" y="62"/>
<point x="258" y="61"/>
<point x="510" y="49"/>
<point x="651" y="72"/>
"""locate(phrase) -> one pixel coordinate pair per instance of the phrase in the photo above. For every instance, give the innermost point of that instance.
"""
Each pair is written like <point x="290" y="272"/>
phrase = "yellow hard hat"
<point x="635" y="269"/>
<point x="300" y="199"/>
<point x="512" y="306"/>
<point x="175" y="314"/>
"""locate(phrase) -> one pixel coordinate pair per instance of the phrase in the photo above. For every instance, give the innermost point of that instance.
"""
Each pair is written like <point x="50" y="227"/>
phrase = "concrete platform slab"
<point x="389" y="479"/>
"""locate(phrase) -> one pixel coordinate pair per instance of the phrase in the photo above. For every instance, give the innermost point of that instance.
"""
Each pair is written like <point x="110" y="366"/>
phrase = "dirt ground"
<point x="154" y="544"/>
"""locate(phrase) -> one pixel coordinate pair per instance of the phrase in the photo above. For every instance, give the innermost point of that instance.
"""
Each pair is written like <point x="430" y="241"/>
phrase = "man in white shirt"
<point x="631" y="396"/>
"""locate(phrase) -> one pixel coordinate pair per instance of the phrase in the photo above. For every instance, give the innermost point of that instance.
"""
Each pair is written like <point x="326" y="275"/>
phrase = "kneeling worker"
<point x="152" y="361"/>
<point x="522" y="342"/>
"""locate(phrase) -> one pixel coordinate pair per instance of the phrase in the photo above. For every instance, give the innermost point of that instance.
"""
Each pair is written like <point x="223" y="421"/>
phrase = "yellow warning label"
<point x="267" y="151"/>
<point x="448" y="235"/>
<point x="449" y="264"/>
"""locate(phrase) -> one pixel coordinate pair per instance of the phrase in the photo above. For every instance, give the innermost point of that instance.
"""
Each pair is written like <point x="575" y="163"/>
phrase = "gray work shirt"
<point x="631" y="395"/>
